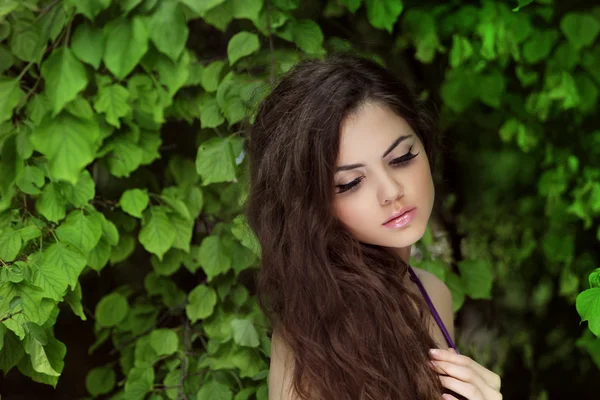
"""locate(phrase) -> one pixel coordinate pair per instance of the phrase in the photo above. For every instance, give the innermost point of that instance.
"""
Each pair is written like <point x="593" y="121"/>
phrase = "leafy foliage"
<point x="121" y="144"/>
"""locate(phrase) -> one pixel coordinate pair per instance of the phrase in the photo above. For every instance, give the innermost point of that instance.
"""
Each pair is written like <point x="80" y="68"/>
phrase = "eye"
<point x="348" y="186"/>
<point x="400" y="161"/>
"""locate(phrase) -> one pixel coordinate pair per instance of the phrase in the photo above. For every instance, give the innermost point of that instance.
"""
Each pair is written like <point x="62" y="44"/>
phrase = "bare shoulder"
<point x="440" y="295"/>
<point x="280" y="370"/>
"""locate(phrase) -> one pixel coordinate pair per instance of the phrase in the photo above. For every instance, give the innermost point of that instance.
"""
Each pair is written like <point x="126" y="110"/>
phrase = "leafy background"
<point x="126" y="267"/>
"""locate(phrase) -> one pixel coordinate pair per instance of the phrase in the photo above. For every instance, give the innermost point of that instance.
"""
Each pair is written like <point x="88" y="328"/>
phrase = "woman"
<point x="341" y="187"/>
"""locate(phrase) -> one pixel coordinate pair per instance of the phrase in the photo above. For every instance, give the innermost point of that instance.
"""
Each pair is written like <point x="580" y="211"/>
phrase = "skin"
<point x="383" y="188"/>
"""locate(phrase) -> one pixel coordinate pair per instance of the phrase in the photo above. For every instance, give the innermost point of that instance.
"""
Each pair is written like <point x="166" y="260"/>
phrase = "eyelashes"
<point x="396" y="162"/>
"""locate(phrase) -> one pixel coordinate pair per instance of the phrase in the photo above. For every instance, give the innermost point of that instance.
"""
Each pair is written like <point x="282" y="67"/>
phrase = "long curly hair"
<point x="342" y="306"/>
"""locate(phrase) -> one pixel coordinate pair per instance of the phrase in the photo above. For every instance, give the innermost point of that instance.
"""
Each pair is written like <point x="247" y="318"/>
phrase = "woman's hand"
<point x="464" y="376"/>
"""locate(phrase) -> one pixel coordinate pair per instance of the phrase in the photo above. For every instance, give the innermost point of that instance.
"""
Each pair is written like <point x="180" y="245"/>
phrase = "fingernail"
<point x="434" y="352"/>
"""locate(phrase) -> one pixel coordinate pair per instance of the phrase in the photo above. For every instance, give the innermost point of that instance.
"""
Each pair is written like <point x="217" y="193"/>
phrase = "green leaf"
<point x="112" y="100"/>
<point x="29" y="44"/>
<point x="210" y="113"/>
<point x="111" y="309"/>
<point x="100" y="380"/>
<point x="211" y="75"/>
<point x="164" y="341"/>
<point x="38" y="357"/>
<point x="382" y="14"/>
<point x="38" y="107"/>
<point x="477" y="276"/>
<point x="244" y="234"/>
<point x="157" y="233"/>
<point x="10" y="244"/>
<point x="150" y="143"/>
<point x="139" y="382"/>
<point x="90" y="8"/>
<point x="109" y="231"/>
<point x="123" y="249"/>
<point x="539" y="45"/>
<point x="6" y="58"/>
<point x="183" y="171"/>
<point x="353" y="5"/>
<point x="588" y="307"/>
<point x="249" y="9"/>
<point x="10" y="95"/>
<point x="242" y="44"/>
<point x="31" y="180"/>
<point x="128" y="5"/>
<point x="60" y="262"/>
<point x="307" y="35"/>
<point x="82" y="192"/>
<point x="55" y="352"/>
<point x="201" y="7"/>
<point x="51" y="203"/>
<point x="98" y="257"/>
<point x="244" y="333"/>
<point x="26" y="308"/>
<point x="126" y="157"/>
<point x="580" y="29"/>
<point x="168" y="29"/>
<point x="170" y="262"/>
<point x="213" y="257"/>
<point x="214" y="390"/>
<point x="88" y="44"/>
<point x="183" y="232"/>
<point x="73" y="297"/>
<point x="12" y="352"/>
<point x="201" y="303"/>
<point x="64" y="76"/>
<point x="461" y="50"/>
<point x="421" y="27"/>
<point x="126" y="44"/>
<point x="68" y="142"/>
<point x="241" y="257"/>
<point x="80" y="230"/>
<point x="173" y="74"/>
<point x="594" y="278"/>
<point x="134" y="201"/>
<point x="491" y="89"/>
<point x="215" y="161"/>
<point x="456" y="286"/>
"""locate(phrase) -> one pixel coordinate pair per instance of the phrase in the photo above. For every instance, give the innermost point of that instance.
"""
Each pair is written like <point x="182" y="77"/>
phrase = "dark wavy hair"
<point x="342" y="306"/>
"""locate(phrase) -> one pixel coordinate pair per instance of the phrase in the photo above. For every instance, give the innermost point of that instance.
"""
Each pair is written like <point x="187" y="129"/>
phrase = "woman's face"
<point x="382" y="169"/>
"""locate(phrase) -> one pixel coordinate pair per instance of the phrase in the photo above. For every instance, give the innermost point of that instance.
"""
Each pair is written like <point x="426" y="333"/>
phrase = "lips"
<point x="399" y="213"/>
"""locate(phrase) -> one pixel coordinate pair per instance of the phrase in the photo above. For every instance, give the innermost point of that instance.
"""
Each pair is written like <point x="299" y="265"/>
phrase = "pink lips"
<point x="401" y="218"/>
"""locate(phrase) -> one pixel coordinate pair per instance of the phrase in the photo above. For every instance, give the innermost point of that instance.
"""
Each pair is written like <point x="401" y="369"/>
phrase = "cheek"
<point x="351" y="211"/>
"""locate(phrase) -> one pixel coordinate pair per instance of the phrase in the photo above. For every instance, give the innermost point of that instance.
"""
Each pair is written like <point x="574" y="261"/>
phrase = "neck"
<point x="403" y="252"/>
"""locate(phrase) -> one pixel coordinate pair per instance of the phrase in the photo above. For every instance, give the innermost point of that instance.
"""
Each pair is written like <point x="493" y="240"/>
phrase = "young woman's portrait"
<point x="341" y="159"/>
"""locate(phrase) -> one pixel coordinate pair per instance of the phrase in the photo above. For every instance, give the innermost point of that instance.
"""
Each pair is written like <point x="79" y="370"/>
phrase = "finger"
<point x="459" y="372"/>
<point x="491" y="378"/>
<point x="465" y="389"/>
<point x="467" y="375"/>
<point x="447" y="396"/>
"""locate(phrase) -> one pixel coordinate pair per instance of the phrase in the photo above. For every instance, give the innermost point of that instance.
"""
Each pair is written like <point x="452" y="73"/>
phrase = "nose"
<point x="389" y="190"/>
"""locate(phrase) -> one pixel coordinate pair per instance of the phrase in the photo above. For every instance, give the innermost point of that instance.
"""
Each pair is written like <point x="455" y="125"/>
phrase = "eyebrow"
<point x="388" y="151"/>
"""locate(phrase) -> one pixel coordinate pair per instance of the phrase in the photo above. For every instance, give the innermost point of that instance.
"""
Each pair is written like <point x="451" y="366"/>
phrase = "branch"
<point x="49" y="7"/>
<point x="10" y="315"/>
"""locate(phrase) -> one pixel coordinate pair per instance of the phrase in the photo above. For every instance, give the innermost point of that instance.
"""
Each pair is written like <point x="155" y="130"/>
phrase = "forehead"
<point x="369" y="131"/>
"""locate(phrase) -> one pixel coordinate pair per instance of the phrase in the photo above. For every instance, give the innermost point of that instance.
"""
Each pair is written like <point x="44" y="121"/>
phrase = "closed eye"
<point x="400" y="161"/>
<point x="396" y="162"/>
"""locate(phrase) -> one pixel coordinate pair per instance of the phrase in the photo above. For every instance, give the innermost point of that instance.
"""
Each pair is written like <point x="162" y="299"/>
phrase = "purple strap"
<point x="415" y="278"/>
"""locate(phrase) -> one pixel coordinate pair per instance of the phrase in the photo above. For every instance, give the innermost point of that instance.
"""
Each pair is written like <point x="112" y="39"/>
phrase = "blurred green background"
<point x="126" y="266"/>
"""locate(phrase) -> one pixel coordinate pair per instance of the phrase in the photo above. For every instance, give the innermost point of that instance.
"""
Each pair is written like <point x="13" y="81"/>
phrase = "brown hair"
<point x="341" y="305"/>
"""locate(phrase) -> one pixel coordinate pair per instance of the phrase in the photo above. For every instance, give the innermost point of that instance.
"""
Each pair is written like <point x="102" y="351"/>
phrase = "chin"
<point x="399" y="238"/>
